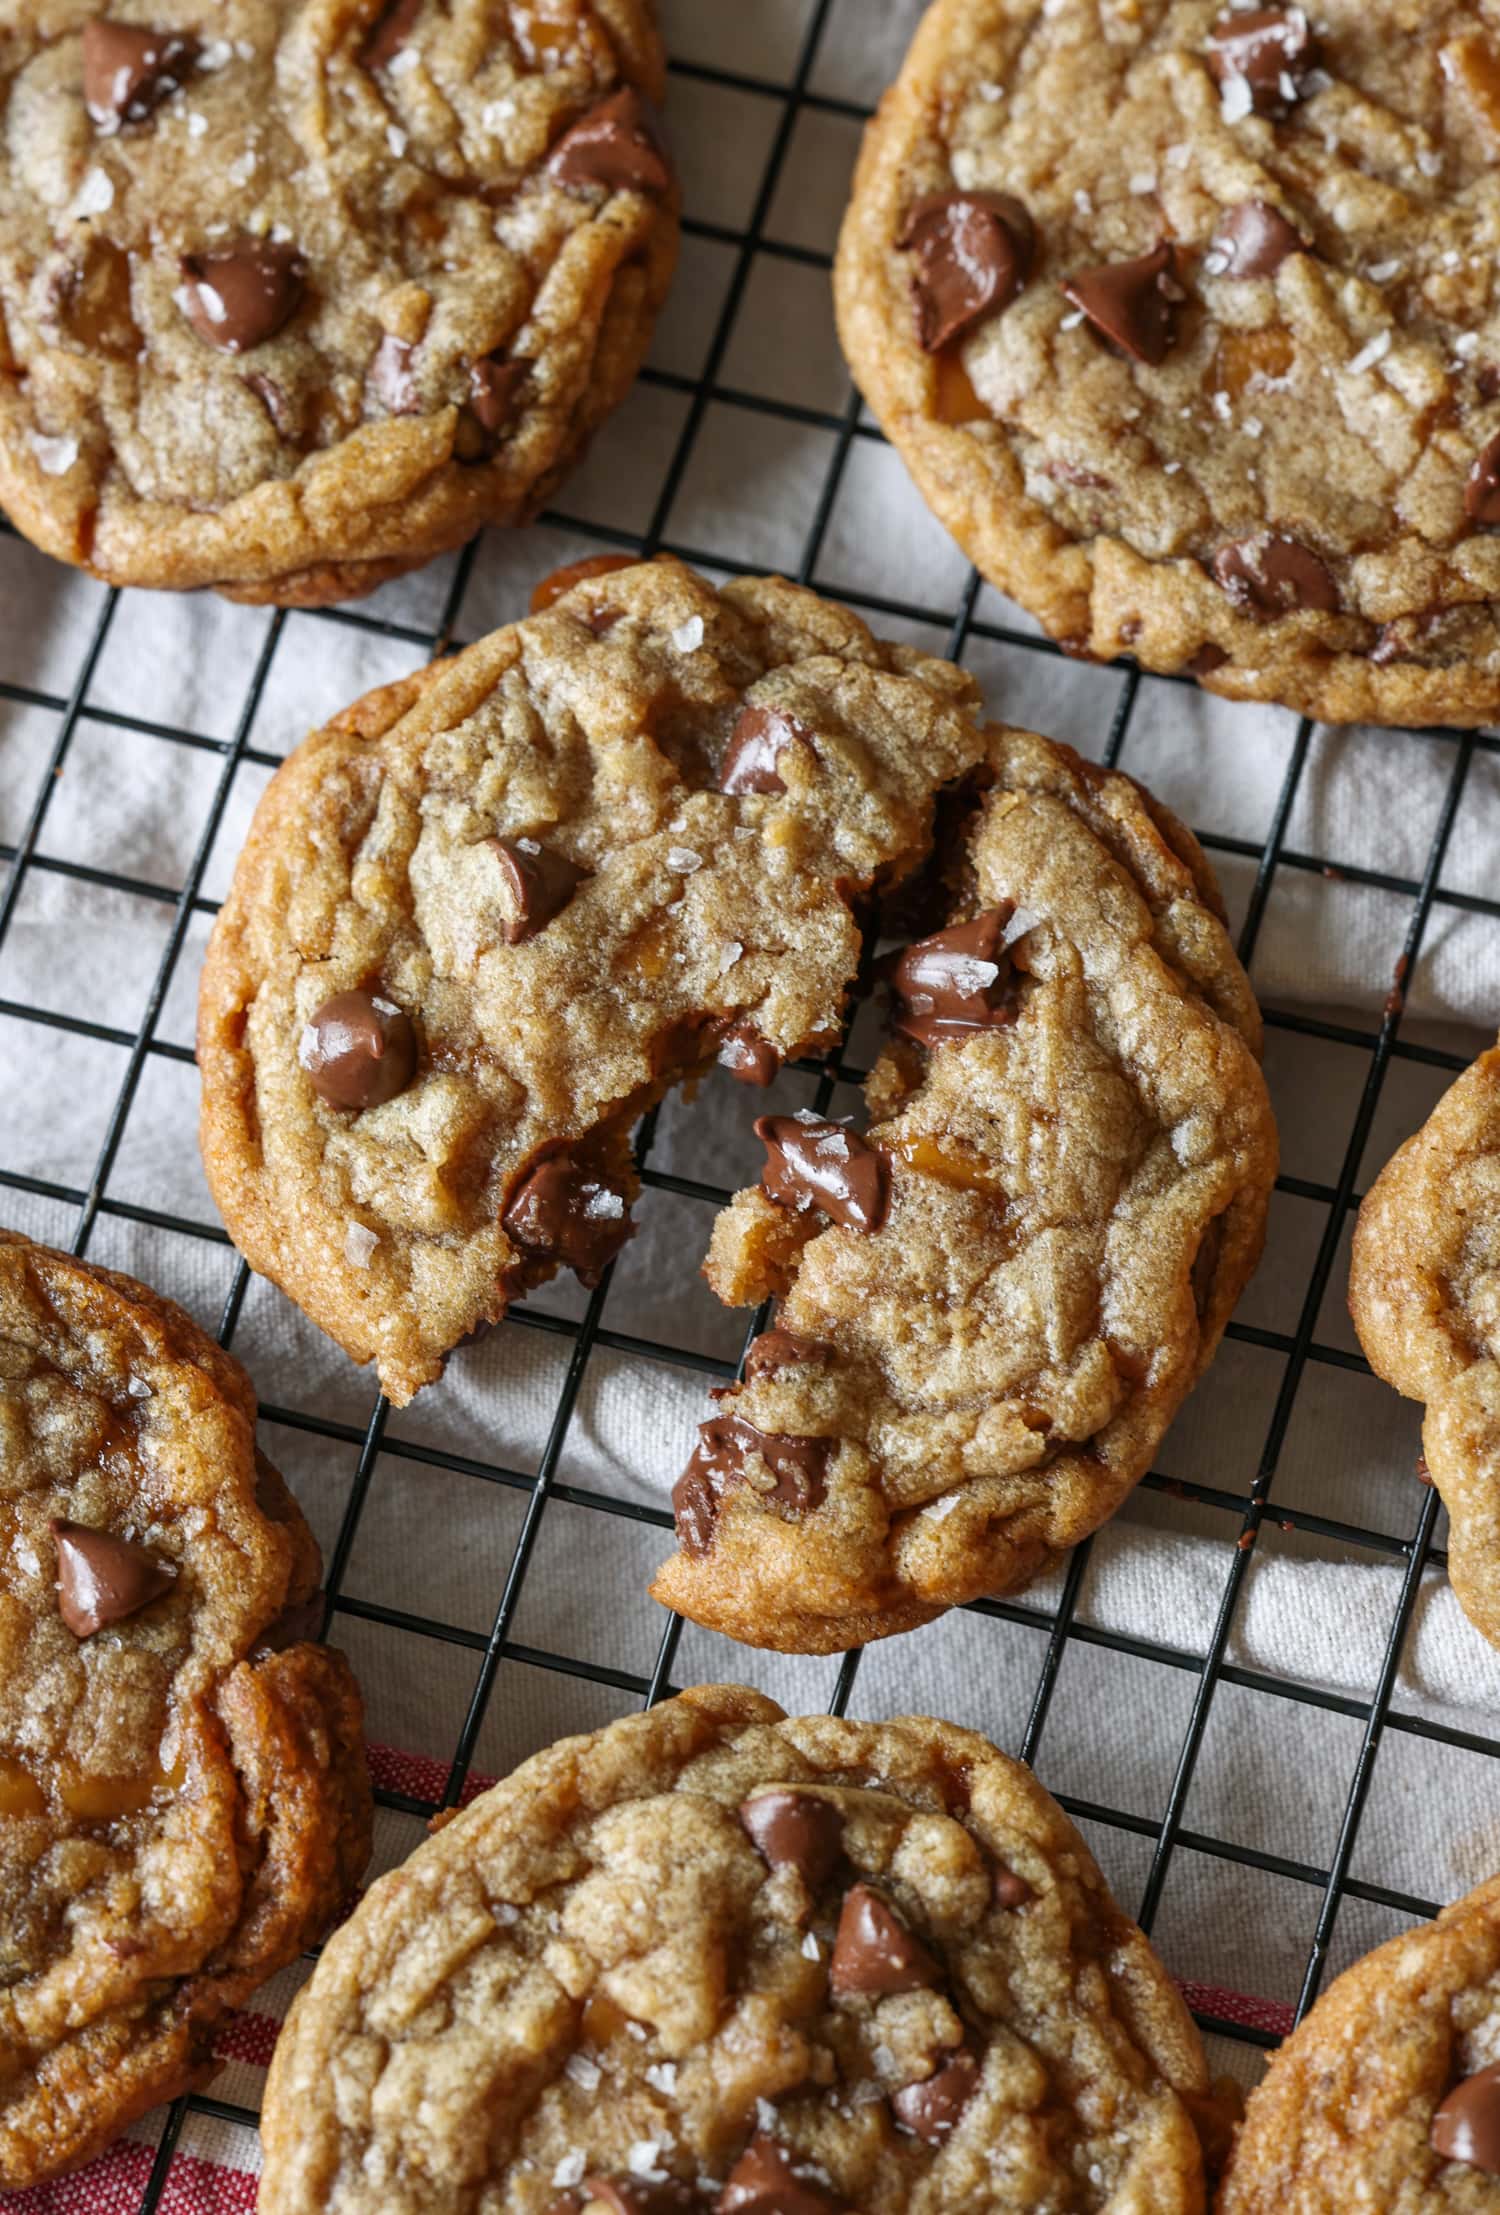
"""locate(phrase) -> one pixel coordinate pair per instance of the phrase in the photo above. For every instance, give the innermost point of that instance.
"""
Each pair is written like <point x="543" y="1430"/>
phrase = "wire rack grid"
<point x="1051" y="1632"/>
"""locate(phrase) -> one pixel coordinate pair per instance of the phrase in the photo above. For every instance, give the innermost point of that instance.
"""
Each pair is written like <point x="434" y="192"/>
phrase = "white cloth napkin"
<point x="1275" y="1770"/>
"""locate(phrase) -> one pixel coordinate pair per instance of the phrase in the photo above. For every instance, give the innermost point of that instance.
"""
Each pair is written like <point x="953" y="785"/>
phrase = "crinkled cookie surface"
<point x="713" y="1959"/>
<point x="1068" y="1165"/>
<point x="1424" y="1289"/>
<point x="1187" y="326"/>
<point x="1388" y="2095"/>
<point x="299" y="292"/>
<point x="488" y="916"/>
<point x="183" y="1798"/>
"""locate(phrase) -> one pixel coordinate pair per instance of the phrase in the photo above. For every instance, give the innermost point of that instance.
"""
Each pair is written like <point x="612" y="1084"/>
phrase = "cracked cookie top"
<point x="489" y="915"/>
<point x="1388" y="2094"/>
<point x="713" y="1959"/>
<point x="182" y="1793"/>
<point x="1424" y="1289"/>
<point x="992" y="1303"/>
<point x="1186" y="322"/>
<point x="298" y="292"/>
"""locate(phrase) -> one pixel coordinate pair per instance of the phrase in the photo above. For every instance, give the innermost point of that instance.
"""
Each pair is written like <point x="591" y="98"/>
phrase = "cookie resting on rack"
<point x="1424" y="1290"/>
<point x="183" y="1798"/>
<point x="1185" y="319"/>
<point x="994" y="1302"/>
<point x="493" y="913"/>
<point x="300" y="292"/>
<point x="709" y="1958"/>
<point x="1387" y="2096"/>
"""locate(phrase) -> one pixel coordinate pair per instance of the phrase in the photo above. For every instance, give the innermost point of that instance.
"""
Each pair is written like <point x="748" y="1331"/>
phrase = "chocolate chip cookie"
<point x="713" y="1959"/>
<point x="1388" y="2095"/>
<point x="1423" y="1293"/>
<point x="297" y="295"/>
<point x="994" y="1301"/>
<point x="1184" y="318"/>
<point x="183" y="1797"/>
<point x="492" y="913"/>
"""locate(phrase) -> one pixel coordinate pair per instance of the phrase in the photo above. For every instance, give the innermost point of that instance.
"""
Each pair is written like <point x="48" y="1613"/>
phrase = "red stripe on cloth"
<point x="249" y="2038"/>
<point x="113" y="2185"/>
<point x="418" y="1776"/>
<point x="1238" y="2007"/>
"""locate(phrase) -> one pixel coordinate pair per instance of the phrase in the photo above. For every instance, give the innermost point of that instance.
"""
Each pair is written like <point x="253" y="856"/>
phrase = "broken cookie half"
<point x="492" y="913"/>
<point x="993" y="1302"/>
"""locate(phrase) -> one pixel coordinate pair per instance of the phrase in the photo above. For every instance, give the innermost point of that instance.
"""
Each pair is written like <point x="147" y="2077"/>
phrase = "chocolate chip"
<point x="562" y="1210"/>
<point x="1466" y="2127"/>
<point x="391" y="29"/>
<point x="957" y="982"/>
<point x="272" y="398"/>
<point x="237" y="300"/>
<point x="748" y="1056"/>
<point x="390" y="378"/>
<point x="973" y="253"/>
<point x="1133" y="304"/>
<point x="358" y="1050"/>
<point x="769" y="2180"/>
<point x="1208" y="658"/>
<point x="1269" y="50"/>
<point x="795" y="1830"/>
<point x="1482" y="492"/>
<point x="494" y="393"/>
<point x="296" y="1625"/>
<point x="1272" y="575"/>
<point x="815" y="1163"/>
<point x="756" y="744"/>
<point x="635" y="2196"/>
<point x="101" y="1579"/>
<point x="776" y="1350"/>
<point x="930" y="2109"/>
<point x="539" y="880"/>
<point x="128" y="71"/>
<point x="618" y="144"/>
<point x="874" y="1952"/>
<point x="552" y="587"/>
<point x="798" y="1466"/>
<point x="1009" y="1890"/>
<point x="1254" y="239"/>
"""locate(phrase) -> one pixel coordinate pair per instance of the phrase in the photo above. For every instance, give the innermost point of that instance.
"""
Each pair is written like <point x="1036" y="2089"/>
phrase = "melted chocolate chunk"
<point x="748" y="1056"/>
<point x="776" y="1350"/>
<point x="638" y="2196"/>
<point x="390" y="379"/>
<point x="798" y="1466"/>
<point x="1482" y="492"/>
<point x="1467" y="2125"/>
<point x="358" y="1050"/>
<point x="874" y="1952"/>
<point x="1009" y="1890"/>
<point x="1208" y="658"/>
<point x="930" y="2109"/>
<point x="1254" y="239"/>
<point x="562" y="1210"/>
<point x="958" y="981"/>
<point x="618" y="144"/>
<point x="495" y="392"/>
<point x="102" y="1579"/>
<point x="239" y="299"/>
<point x="795" y="1830"/>
<point x="552" y="587"/>
<point x="756" y="744"/>
<point x="815" y="1163"/>
<point x="1133" y="304"/>
<point x="389" y="33"/>
<point x="973" y="253"/>
<point x="1271" y="50"/>
<point x="768" y="2179"/>
<point x="128" y="71"/>
<point x="1271" y="575"/>
<point x="296" y="1625"/>
<point x="539" y="880"/>
<point x="273" y="399"/>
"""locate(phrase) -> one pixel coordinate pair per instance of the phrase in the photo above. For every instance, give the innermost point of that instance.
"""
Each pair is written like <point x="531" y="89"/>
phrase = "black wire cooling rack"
<point x="1298" y="1349"/>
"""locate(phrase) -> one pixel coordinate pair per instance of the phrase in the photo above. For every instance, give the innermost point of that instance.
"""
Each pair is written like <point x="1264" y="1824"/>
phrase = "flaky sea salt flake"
<point x="55" y="456"/>
<point x="1377" y="349"/>
<point x="688" y="636"/>
<point x="359" y="1244"/>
